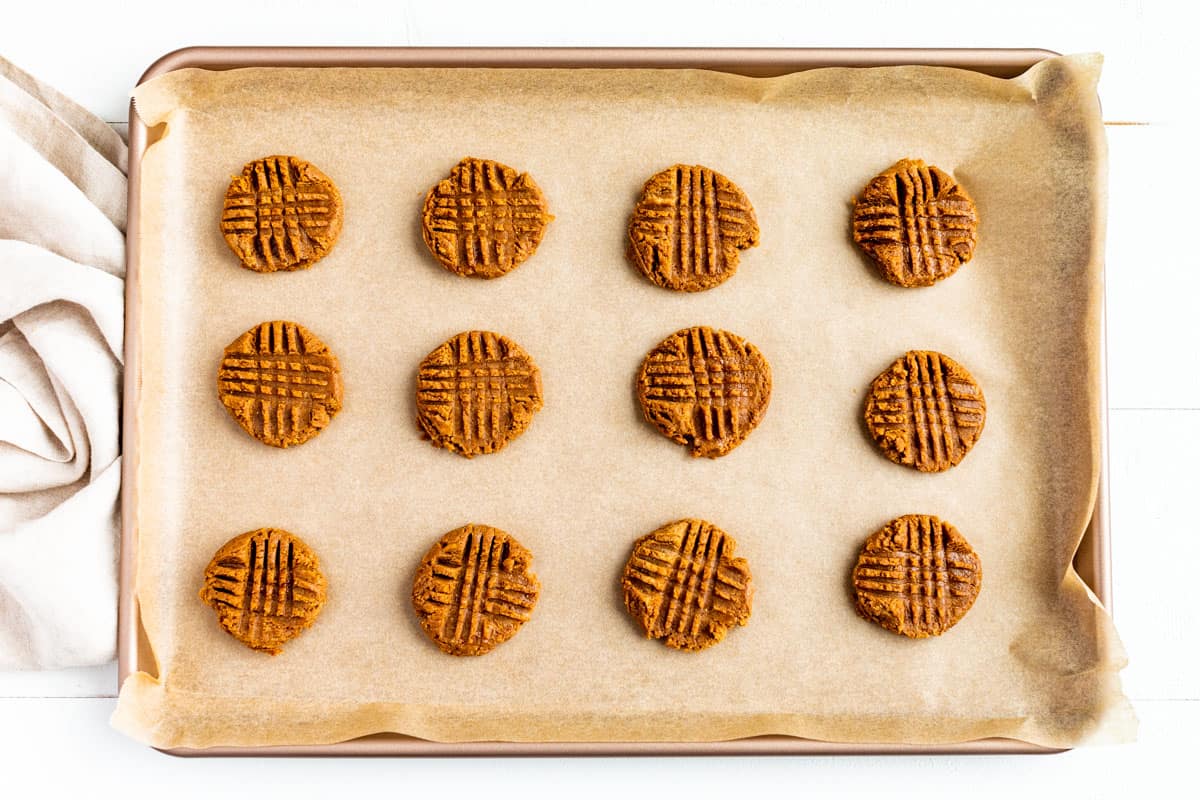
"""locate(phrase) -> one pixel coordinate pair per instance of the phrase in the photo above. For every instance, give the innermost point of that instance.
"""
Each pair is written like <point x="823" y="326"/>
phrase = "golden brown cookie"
<point x="280" y="382"/>
<point x="704" y="388"/>
<point x="281" y="213"/>
<point x="916" y="223"/>
<point x="485" y="219"/>
<point x="917" y="576"/>
<point x="266" y="587"/>
<point x="925" y="411"/>
<point x="688" y="226"/>
<point x="477" y="392"/>
<point x="683" y="585"/>
<point x="474" y="591"/>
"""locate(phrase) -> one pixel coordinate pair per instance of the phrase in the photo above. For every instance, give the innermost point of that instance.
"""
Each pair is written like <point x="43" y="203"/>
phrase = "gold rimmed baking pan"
<point x="1092" y="558"/>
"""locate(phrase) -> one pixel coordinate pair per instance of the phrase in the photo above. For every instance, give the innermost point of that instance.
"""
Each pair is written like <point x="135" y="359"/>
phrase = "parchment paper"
<point x="1035" y="659"/>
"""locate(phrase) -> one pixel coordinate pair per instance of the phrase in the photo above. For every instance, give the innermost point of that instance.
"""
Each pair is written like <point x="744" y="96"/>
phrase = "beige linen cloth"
<point x="62" y="267"/>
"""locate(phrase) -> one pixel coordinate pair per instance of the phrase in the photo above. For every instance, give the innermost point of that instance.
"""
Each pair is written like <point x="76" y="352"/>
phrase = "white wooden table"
<point x="54" y="726"/>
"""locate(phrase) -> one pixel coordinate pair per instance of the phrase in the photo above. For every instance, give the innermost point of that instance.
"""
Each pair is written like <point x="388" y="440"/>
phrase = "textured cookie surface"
<point x="266" y="587"/>
<point x="281" y="213"/>
<point x="485" y="219"/>
<point x="688" y="227"/>
<point x="473" y="590"/>
<point x="684" y="586"/>
<point x="916" y="223"/>
<point x="280" y="382"/>
<point x="477" y="392"/>
<point x="925" y="411"/>
<point x="917" y="576"/>
<point x="704" y="388"/>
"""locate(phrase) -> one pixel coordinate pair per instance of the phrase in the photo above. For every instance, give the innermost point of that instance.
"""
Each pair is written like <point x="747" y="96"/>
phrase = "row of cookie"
<point x="473" y="590"/>
<point x="685" y="233"/>
<point x="703" y="388"/>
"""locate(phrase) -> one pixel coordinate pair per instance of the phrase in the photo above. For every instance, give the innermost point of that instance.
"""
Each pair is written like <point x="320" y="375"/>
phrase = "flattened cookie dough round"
<point x="485" y="219"/>
<point x="925" y="411"/>
<point x="473" y="590"/>
<point x="281" y="383"/>
<point x="281" y="213"/>
<point x="684" y="586"/>
<point x="266" y="587"/>
<point x="477" y="392"/>
<point x="916" y="223"/>
<point x="688" y="226"/>
<point x="917" y="576"/>
<point x="705" y="389"/>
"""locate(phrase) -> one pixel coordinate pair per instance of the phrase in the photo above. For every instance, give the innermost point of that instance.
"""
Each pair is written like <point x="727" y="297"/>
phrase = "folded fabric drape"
<point x="62" y="268"/>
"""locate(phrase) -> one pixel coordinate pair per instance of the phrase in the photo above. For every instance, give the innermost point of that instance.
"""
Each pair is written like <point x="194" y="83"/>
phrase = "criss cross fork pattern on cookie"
<point x="917" y="223"/>
<point x="485" y="218"/>
<point x="708" y="385"/>
<point x="278" y="218"/>
<point x="917" y="576"/>
<point x="926" y="411"/>
<point x="476" y="392"/>
<point x="688" y="226"/>
<point x="280" y="388"/>
<point x="477" y="593"/>
<point x="265" y="587"/>
<point x="684" y="585"/>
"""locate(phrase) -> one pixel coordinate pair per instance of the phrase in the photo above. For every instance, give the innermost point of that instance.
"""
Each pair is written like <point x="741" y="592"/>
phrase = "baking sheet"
<point x="1035" y="659"/>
